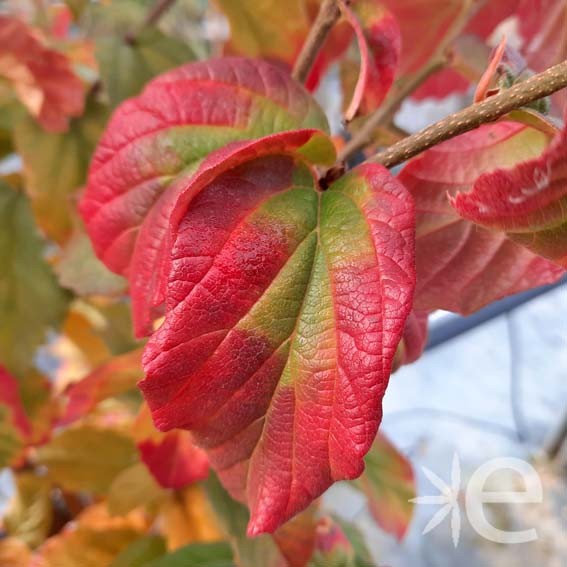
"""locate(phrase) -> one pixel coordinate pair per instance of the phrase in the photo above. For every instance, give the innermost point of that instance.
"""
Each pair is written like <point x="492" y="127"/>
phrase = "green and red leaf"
<point x="155" y="142"/>
<point x="11" y="398"/>
<point x="297" y="301"/>
<point x="389" y="484"/>
<point x="284" y="305"/>
<point x="462" y="267"/>
<point x="528" y="202"/>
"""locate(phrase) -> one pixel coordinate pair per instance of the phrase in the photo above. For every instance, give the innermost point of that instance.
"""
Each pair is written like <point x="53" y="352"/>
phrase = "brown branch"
<point x="157" y="11"/>
<point x="385" y="113"/>
<point x="408" y="85"/>
<point x="152" y="18"/>
<point x="326" y="18"/>
<point x="489" y="110"/>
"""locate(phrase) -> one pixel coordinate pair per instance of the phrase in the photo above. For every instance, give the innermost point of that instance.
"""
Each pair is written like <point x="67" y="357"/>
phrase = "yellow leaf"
<point x="132" y="488"/>
<point x="187" y="517"/>
<point x="87" y="457"/>
<point x="94" y="540"/>
<point x="55" y="167"/>
<point x="30" y="512"/>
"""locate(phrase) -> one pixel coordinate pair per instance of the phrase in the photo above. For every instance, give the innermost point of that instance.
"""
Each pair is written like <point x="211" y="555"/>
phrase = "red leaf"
<point x="112" y="378"/>
<point x="485" y="21"/>
<point x="461" y="267"/>
<point x="296" y="538"/>
<point x="172" y="457"/>
<point x="379" y="42"/>
<point x="42" y="78"/>
<point x="281" y="417"/>
<point x="542" y="26"/>
<point x="156" y="141"/>
<point x="10" y="396"/>
<point x="414" y="339"/>
<point x="362" y="81"/>
<point x="526" y="201"/>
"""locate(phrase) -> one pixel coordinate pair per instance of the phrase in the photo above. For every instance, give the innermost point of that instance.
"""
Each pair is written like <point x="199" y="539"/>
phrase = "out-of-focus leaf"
<point x="339" y="543"/>
<point x="413" y="341"/>
<point x="188" y="517"/>
<point x="116" y="19"/>
<point x="462" y="267"/>
<point x="296" y="538"/>
<point x="172" y="458"/>
<point x="233" y="517"/>
<point x="40" y="406"/>
<point x="268" y="29"/>
<point x="132" y="488"/>
<point x="114" y="377"/>
<point x="10" y="396"/>
<point x="55" y="167"/>
<point x="389" y="484"/>
<point x="77" y="7"/>
<point x="30" y="513"/>
<point x="31" y="302"/>
<point x="126" y="66"/>
<point x="8" y="113"/>
<point x="526" y="202"/>
<point x="198" y="555"/>
<point x="78" y="348"/>
<point x="80" y="270"/>
<point x="80" y="327"/>
<point x="276" y="31"/>
<point x="11" y="442"/>
<point x="117" y="331"/>
<point x="332" y="547"/>
<point x="94" y="540"/>
<point x="41" y="77"/>
<point x="430" y="22"/>
<point x="14" y="553"/>
<point x="542" y="27"/>
<point x="141" y="552"/>
<point x="363" y="557"/>
<point x="87" y="457"/>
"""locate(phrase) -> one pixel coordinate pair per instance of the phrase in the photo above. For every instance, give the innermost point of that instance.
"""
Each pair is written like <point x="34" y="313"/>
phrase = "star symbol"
<point x="448" y="498"/>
